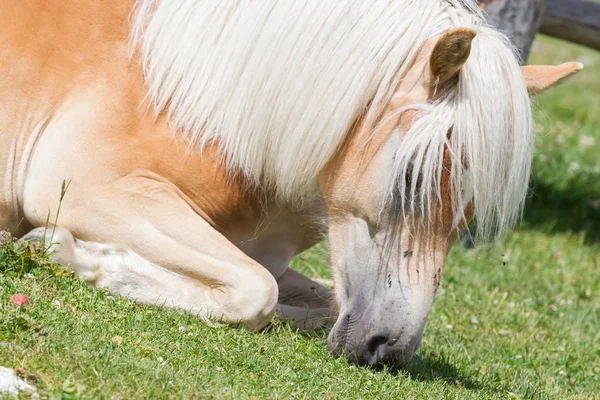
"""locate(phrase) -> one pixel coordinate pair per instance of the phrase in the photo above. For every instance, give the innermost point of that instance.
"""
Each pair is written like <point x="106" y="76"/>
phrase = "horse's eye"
<point x="408" y="179"/>
<point x="403" y="200"/>
<point x="409" y="175"/>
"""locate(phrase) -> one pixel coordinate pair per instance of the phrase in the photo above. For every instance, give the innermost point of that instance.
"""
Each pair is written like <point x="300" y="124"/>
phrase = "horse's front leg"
<point x="304" y="301"/>
<point x="164" y="252"/>
<point x="296" y="289"/>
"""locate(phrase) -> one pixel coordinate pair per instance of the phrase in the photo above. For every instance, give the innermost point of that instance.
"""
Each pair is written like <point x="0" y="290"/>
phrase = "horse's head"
<point x="398" y="196"/>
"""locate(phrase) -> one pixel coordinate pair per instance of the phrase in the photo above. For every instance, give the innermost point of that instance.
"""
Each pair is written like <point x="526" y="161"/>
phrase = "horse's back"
<point x="51" y="44"/>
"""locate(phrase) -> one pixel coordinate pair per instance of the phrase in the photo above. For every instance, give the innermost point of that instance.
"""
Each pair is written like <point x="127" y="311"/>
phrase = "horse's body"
<point x="188" y="231"/>
<point x="75" y="82"/>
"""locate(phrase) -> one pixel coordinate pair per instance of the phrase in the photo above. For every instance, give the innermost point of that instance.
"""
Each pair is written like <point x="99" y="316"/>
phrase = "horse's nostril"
<point x="375" y="342"/>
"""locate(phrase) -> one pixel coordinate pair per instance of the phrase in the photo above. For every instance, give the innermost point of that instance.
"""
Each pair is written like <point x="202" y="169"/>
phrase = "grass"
<point x="520" y="319"/>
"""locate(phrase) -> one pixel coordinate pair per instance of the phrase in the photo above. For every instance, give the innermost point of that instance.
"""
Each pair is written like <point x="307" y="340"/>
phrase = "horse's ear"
<point x="540" y="77"/>
<point x="450" y="54"/>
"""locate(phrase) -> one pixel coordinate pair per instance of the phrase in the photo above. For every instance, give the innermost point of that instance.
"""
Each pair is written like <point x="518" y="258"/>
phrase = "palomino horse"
<point x="208" y="142"/>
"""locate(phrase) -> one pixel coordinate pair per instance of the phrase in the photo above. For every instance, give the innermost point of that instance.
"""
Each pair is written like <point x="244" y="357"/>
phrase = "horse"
<point x="182" y="152"/>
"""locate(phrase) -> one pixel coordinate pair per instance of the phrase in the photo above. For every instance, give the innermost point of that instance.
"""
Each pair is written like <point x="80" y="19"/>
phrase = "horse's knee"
<point x="256" y="295"/>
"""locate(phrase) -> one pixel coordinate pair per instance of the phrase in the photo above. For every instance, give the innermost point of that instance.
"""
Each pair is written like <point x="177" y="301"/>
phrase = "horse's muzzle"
<point x="394" y="351"/>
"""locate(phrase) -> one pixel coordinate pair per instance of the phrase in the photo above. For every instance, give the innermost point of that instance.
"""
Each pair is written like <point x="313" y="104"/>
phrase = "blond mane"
<point x="278" y="85"/>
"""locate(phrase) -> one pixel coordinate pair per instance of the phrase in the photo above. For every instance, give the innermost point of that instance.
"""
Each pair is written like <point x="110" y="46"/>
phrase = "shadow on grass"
<point x="421" y="368"/>
<point x="575" y="209"/>
<point x="428" y="369"/>
<point x="432" y="369"/>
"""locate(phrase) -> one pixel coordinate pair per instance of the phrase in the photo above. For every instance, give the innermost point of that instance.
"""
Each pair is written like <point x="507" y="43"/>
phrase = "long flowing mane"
<point x="278" y="85"/>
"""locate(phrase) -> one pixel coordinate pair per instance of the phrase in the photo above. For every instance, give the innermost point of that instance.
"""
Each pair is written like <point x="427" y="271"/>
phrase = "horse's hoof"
<point x="57" y="241"/>
<point x="34" y="237"/>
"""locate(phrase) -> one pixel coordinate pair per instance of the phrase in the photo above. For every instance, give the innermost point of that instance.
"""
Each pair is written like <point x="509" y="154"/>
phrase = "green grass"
<point x="520" y="319"/>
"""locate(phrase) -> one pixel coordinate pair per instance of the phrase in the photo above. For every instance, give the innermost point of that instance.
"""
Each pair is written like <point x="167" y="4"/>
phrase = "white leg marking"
<point x="124" y="272"/>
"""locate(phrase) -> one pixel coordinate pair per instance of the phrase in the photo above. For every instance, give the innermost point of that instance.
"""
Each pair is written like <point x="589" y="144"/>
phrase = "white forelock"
<point x="279" y="84"/>
<point x="485" y="123"/>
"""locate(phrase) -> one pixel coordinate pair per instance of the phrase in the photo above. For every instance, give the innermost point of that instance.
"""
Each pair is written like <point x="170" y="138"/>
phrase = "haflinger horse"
<point x="206" y="143"/>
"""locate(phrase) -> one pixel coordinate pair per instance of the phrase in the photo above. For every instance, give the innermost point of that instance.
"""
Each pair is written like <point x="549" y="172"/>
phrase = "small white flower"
<point x="449" y="326"/>
<point x="573" y="167"/>
<point x="219" y="369"/>
<point x="474" y="321"/>
<point x="561" y="372"/>
<point x="518" y="356"/>
<point x="56" y="303"/>
<point x="117" y="340"/>
<point x="30" y="276"/>
<point x="586" y="141"/>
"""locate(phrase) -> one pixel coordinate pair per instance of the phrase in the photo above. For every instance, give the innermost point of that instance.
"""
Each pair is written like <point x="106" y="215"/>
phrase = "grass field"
<point x="520" y="319"/>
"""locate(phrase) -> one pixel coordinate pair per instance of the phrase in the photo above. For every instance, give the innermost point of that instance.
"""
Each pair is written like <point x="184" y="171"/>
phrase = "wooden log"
<point x="576" y="21"/>
<point x="519" y="19"/>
